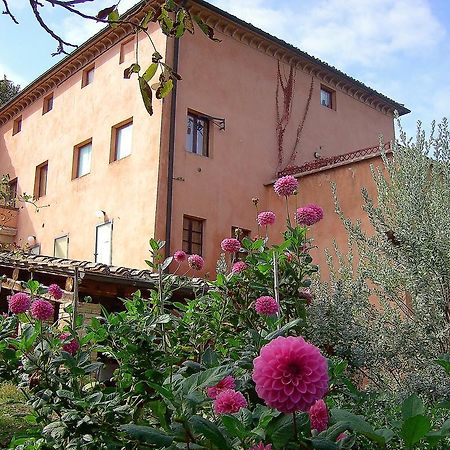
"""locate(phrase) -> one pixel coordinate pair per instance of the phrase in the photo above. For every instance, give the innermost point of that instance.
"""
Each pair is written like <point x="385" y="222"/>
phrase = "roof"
<point x="137" y="8"/>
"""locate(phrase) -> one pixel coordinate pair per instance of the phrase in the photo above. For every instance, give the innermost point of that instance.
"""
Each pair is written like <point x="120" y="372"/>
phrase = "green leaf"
<point x="205" y="28"/>
<point x="150" y="72"/>
<point x="33" y="286"/>
<point x="283" y="329"/>
<point x="113" y="17"/>
<point x="234" y="426"/>
<point x="444" y="363"/>
<point x="167" y="263"/>
<point x="103" y="14"/>
<point x="210" y="358"/>
<point x="164" y="89"/>
<point x="414" y="429"/>
<point x="146" y="94"/>
<point x="281" y="431"/>
<point x="148" y="435"/>
<point x="357" y="424"/>
<point x="210" y="431"/>
<point x="324" y="444"/>
<point x="147" y="18"/>
<point x="412" y="406"/>
<point x="201" y="380"/>
<point x="134" y="68"/>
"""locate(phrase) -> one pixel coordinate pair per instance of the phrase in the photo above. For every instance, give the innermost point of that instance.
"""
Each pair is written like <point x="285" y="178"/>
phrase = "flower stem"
<point x="294" y="421"/>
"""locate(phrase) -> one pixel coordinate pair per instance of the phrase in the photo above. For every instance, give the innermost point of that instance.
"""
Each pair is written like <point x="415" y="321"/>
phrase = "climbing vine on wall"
<point x="284" y="98"/>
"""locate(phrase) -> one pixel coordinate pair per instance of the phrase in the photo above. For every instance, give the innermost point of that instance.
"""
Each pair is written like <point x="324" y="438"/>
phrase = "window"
<point x="35" y="250"/>
<point x="40" y="180"/>
<point x="82" y="160"/>
<point x="48" y="104"/>
<point x="197" y="134"/>
<point x="12" y="193"/>
<point x="61" y="247"/>
<point x="192" y="235"/>
<point x="327" y="97"/>
<point x="17" y="125"/>
<point x="103" y="243"/>
<point x="121" y="140"/>
<point x="126" y="50"/>
<point x="88" y="76"/>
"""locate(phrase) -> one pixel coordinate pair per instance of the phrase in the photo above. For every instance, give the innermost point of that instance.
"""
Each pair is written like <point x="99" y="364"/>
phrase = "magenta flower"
<point x="290" y="374"/>
<point x="266" y="218"/>
<point x="309" y="215"/>
<point x="318" y="416"/>
<point x="196" y="262"/>
<point x="306" y="295"/>
<point x="42" y="309"/>
<point x="230" y="245"/>
<point x="238" y="267"/>
<point x="19" y="303"/>
<point x="266" y="306"/>
<point x="55" y="291"/>
<point x="341" y="437"/>
<point x="285" y="186"/>
<point x="229" y="402"/>
<point x="70" y="347"/>
<point x="223" y="385"/>
<point x="261" y="446"/>
<point x="179" y="256"/>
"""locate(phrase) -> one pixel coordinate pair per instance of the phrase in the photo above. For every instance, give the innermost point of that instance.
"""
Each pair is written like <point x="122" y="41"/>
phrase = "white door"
<point x="103" y="242"/>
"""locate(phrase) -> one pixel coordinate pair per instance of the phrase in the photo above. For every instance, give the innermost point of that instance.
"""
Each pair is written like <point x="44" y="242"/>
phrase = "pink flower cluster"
<point x="42" y="310"/>
<point x="19" y="303"/>
<point x="238" y="267"/>
<point x="179" y="256"/>
<point x="196" y="262"/>
<point x="222" y="385"/>
<point x="266" y="218"/>
<point x="285" y="186"/>
<point x="261" y="446"/>
<point x="309" y="215"/>
<point x="55" y="291"/>
<point x="290" y="374"/>
<point x="266" y="306"/>
<point x="229" y="402"/>
<point x="230" y="245"/>
<point x="318" y="416"/>
<point x="70" y="347"/>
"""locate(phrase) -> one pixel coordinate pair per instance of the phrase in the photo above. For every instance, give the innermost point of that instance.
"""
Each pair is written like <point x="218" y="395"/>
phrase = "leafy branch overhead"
<point x="172" y="18"/>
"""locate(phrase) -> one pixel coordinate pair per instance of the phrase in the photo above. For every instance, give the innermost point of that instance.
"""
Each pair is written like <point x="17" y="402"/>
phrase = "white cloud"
<point x="13" y="75"/>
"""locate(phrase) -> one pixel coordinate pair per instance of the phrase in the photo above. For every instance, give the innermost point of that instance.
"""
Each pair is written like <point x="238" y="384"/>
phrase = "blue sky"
<point x="398" y="47"/>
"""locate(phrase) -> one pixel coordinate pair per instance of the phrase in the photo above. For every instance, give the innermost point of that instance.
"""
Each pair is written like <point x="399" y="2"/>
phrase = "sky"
<point x="400" y="48"/>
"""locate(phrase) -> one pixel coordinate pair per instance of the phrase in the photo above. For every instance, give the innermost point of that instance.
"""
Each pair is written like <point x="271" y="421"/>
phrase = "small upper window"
<point x="326" y="97"/>
<point x="126" y="50"/>
<point x="48" y="104"/>
<point x="17" y="125"/>
<point x="61" y="247"/>
<point x="82" y="160"/>
<point x="197" y="134"/>
<point x="88" y="76"/>
<point x="40" y="182"/>
<point x="122" y="141"/>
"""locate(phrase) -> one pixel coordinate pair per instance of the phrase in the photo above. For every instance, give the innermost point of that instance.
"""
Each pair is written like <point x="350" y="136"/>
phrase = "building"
<point x="107" y="176"/>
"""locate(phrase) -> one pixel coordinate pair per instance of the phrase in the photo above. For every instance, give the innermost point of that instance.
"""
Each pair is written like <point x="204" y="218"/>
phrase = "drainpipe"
<point x="173" y="109"/>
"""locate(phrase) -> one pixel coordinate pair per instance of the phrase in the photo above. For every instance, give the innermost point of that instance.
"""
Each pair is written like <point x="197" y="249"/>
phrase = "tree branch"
<point x="8" y="12"/>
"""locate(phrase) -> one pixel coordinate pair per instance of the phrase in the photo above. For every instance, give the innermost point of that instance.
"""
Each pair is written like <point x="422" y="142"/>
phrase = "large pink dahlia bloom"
<point x="309" y="215"/>
<point x="222" y="385"/>
<point x="179" y="256"/>
<point x="266" y="218"/>
<point x="285" y="186"/>
<point x="70" y="347"/>
<point x="290" y="374"/>
<point x="266" y="306"/>
<point x="55" y="291"/>
<point x="19" y="303"/>
<point x="318" y="416"/>
<point x="238" y="267"/>
<point x="229" y="402"/>
<point x="42" y="309"/>
<point x="230" y="245"/>
<point x="196" y="262"/>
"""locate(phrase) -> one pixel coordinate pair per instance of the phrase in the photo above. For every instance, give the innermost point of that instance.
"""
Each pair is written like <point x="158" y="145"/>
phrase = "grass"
<point x="12" y="413"/>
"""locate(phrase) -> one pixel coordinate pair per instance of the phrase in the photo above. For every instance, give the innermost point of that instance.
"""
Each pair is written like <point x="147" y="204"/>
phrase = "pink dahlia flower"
<point x="55" y="291"/>
<point x="42" y="309"/>
<point x="261" y="446"/>
<point x="266" y="218"/>
<point x="238" y="267"/>
<point x="318" y="416"/>
<point x="290" y="374"/>
<point x="179" y="256"/>
<point x="223" y="385"/>
<point x="266" y="306"/>
<point x="309" y="215"/>
<point x="70" y="347"/>
<point x="285" y="186"/>
<point x="196" y="262"/>
<point x="19" y="303"/>
<point x="306" y="295"/>
<point x="230" y="245"/>
<point x="341" y="437"/>
<point x="229" y="402"/>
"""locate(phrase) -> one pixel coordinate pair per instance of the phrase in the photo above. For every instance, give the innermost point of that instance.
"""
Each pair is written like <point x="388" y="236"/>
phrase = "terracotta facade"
<point x="234" y="80"/>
